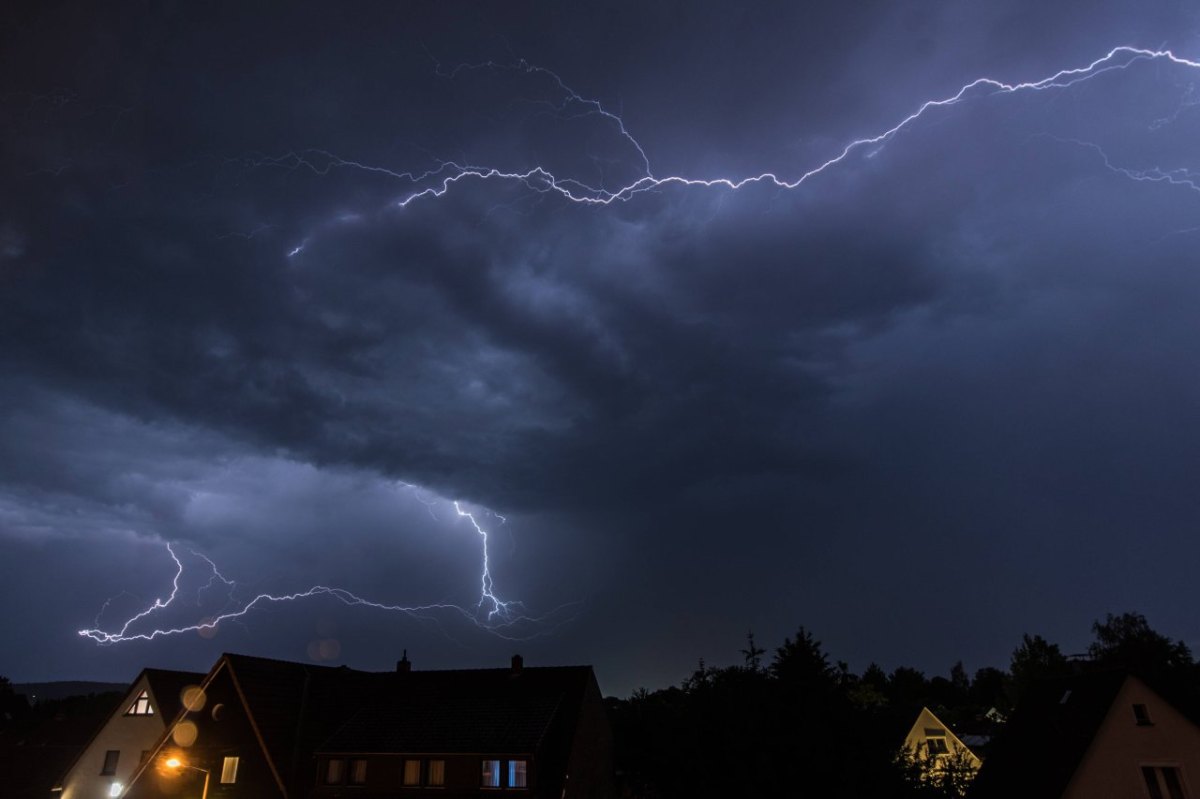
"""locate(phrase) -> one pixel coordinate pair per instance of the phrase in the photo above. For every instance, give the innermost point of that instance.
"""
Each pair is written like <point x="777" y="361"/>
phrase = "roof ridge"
<point x="344" y="668"/>
<point x="179" y="672"/>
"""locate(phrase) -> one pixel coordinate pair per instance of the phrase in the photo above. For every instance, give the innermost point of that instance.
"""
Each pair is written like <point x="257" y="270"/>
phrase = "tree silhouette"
<point x="800" y="663"/>
<point x="13" y="706"/>
<point x="1127" y="641"/>
<point x="752" y="653"/>
<point x="1035" y="659"/>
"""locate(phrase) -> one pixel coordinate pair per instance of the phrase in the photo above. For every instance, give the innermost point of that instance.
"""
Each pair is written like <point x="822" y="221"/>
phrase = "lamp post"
<point x="175" y="762"/>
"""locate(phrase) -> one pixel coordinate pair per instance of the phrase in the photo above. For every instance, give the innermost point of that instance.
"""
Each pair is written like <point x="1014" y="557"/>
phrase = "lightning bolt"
<point x="1186" y="178"/>
<point x="490" y="612"/>
<point x="159" y="604"/>
<point x="504" y="618"/>
<point x="568" y="103"/>
<point x="562" y="108"/>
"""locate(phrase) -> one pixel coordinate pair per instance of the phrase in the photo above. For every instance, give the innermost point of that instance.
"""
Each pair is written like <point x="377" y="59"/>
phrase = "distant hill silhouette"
<point x="43" y="691"/>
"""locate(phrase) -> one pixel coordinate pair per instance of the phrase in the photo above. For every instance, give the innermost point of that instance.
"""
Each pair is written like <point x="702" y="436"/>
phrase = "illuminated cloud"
<point x="958" y="352"/>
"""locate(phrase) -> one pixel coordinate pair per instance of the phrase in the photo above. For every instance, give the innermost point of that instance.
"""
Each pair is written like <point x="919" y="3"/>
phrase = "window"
<point x="412" y="772"/>
<point x="1141" y="716"/>
<point x="141" y="706"/>
<point x="437" y="773"/>
<point x="1170" y="777"/>
<point x="517" y="774"/>
<point x="1163" y="782"/>
<point x="358" y="772"/>
<point x="229" y="770"/>
<point x="491" y="774"/>
<point x="110" y="762"/>
<point x="936" y="746"/>
<point x="334" y="771"/>
<point x="502" y="774"/>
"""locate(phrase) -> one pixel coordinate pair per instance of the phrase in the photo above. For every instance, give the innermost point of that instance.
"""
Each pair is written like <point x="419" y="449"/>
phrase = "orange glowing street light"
<point x="174" y="763"/>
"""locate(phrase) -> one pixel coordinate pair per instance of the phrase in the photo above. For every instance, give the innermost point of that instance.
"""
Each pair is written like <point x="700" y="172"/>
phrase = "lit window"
<point x="334" y="771"/>
<point x="412" y="772"/>
<point x="491" y="774"/>
<point x="141" y="706"/>
<point x="517" y="774"/>
<point x="229" y="770"/>
<point x="1141" y="716"/>
<point x="1163" y="782"/>
<point x="358" y="772"/>
<point x="110" y="762"/>
<point x="437" y="773"/>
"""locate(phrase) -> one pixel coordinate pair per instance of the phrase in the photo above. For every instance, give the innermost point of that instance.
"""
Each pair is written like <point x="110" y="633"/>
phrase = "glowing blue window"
<point x="490" y="777"/>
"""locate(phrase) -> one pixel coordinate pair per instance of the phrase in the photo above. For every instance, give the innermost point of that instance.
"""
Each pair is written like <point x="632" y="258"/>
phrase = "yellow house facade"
<point x="930" y="739"/>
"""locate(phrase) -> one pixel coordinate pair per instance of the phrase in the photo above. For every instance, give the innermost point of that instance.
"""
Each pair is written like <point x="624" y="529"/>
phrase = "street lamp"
<point x="175" y="762"/>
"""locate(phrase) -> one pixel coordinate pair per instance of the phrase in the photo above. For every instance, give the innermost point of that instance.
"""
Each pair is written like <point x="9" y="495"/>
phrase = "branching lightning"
<point x="504" y="618"/>
<point x="569" y="103"/>
<point x="1186" y="178"/>
<point x="490" y="612"/>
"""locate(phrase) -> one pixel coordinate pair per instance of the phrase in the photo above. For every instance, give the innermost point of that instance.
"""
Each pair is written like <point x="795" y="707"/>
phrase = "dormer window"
<point x="141" y="706"/>
<point x="1141" y="716"/>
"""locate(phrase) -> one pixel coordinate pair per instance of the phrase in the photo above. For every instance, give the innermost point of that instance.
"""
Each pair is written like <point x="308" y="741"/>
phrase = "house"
<point x="1093" y="735"/>
<point x="109" y="759"/>
<point x="930" y="739"/>
<point x="271" y="728"/>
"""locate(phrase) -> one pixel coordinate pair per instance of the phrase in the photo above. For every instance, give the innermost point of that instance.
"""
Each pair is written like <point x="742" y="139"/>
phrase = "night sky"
<point x="943" y="392"/>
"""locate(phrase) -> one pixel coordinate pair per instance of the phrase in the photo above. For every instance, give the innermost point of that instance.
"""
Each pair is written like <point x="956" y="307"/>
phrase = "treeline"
<point x="18" y="714"/>
<point x="794" y="722"/>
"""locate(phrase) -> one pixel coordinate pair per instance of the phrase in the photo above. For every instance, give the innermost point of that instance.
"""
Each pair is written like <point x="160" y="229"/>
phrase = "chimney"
<point x="517" y="663"/>
<point x="403" y="666"/>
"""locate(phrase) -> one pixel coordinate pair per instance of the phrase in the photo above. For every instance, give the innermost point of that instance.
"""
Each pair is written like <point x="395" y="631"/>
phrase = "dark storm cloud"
<point x="959" y="358"/>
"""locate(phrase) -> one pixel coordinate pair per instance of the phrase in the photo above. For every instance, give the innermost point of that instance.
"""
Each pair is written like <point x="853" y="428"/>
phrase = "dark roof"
<point x="486" y="710"/>
<point x="295" y="705"/>
<point x="1050" y="731"/>
<point x="167" y="687"/>
<point x="301" y="709"/>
